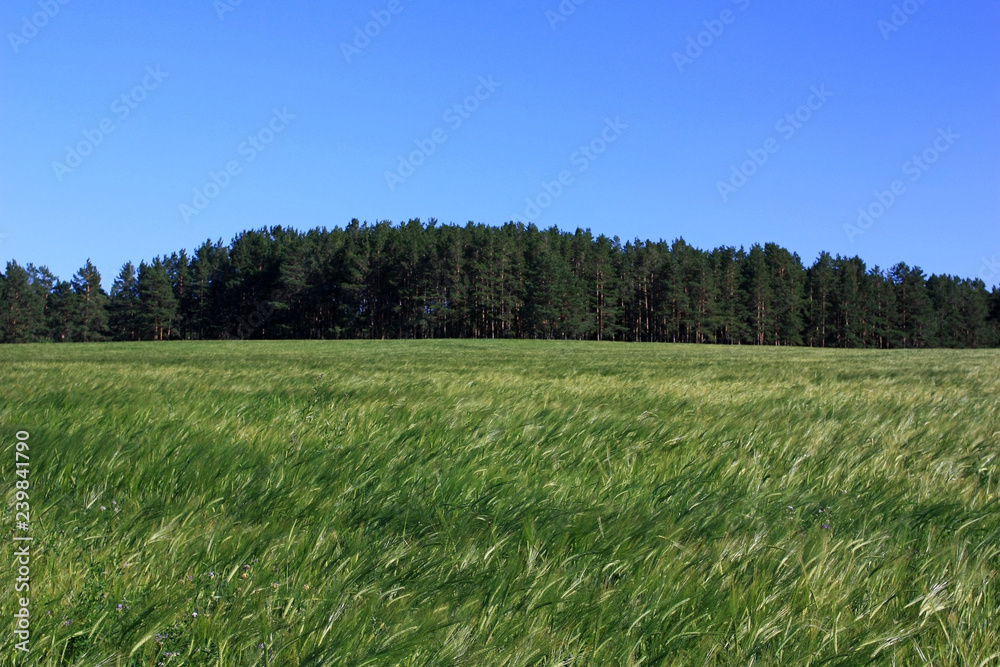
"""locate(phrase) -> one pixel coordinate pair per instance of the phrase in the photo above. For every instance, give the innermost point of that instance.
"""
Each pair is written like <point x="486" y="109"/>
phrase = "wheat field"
<point x="504" y="503"/>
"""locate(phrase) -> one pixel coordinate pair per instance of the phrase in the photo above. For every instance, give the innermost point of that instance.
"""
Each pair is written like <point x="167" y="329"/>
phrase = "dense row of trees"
<point x="420" y="280"/>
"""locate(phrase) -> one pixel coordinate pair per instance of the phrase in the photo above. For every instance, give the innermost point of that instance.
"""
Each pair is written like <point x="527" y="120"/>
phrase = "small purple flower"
<point x="68" y="621"/>
<point x="260" y="646"/>
<point x="826" y="526"/>
<point x="103" y="508"/>
<point x="212" y="575"/>
<point x="194" y="614"/>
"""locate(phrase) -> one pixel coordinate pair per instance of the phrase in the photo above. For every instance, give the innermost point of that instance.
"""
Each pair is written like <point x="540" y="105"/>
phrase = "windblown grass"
<point x="515" y="503"/>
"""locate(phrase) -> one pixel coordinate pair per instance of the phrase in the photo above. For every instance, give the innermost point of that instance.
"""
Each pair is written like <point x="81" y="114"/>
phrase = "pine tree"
<point x="62" y="313"/>
<point x="882" y="305"/>
<point x="848" y="301"/>
<point x="205" y="310"/>
<point x="787" y="285"/>
<point x="157" y="303"/>
<point x="993" y="324"/>
<point x="916" y="320"/>
<point x="90" y="312"/>
<point x="603" y="273"/>
<point x="545" y="285"/>
<point x="178" y="268"/>
<point x="673" y="295"/>
<point x="757" y="295"/>
<point x="23" y="318"/>
<point x="44" y="284"/>
<point x="819" y="298"/>
<point x="123" y="319"/>
<point x="730" y="325"/>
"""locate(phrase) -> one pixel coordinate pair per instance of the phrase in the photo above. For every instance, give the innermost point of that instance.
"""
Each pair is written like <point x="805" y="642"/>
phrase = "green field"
<point x="504" y="503"/>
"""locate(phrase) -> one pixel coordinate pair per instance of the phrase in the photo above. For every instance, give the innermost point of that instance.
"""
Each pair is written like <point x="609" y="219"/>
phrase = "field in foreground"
<point x="477" y="503"/>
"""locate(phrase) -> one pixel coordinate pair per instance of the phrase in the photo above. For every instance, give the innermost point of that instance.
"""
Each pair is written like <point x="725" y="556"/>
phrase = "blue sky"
<point x="625" y="118"/>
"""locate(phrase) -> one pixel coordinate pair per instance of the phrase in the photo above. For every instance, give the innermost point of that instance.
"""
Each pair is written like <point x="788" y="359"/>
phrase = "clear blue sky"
<point x="682" y="124"/>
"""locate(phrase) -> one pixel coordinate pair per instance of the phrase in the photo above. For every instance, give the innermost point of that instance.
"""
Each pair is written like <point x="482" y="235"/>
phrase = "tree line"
<point x="425" y="280"/>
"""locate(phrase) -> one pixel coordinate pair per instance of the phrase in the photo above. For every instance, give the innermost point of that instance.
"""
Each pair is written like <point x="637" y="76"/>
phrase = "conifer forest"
<point x="420" y="280"/>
